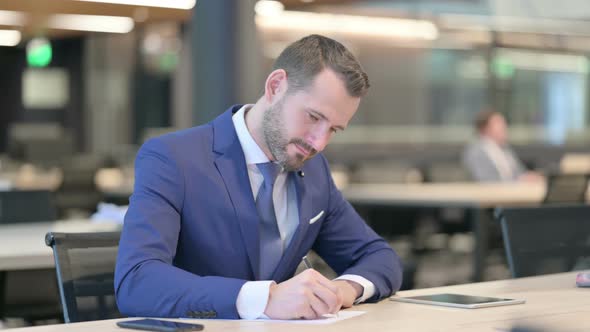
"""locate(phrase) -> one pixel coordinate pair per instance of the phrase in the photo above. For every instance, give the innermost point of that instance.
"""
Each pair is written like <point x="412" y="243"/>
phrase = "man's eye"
<point x="313" y="117"/>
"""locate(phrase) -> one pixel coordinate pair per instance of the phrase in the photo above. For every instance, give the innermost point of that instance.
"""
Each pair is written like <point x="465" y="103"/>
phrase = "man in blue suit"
<point x="222" y="214"/>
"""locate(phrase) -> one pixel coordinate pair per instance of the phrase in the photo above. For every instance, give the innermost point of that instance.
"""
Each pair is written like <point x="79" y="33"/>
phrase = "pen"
<point x="307" y="263"/>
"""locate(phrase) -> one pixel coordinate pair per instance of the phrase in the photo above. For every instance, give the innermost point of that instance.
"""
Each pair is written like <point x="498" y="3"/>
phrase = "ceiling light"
<point x="268" y="8"/>
<point x="9" y="17"/>
<point x="176" y="4"/>
<point x="349" y="24"/>
<point x="95" y="23"/>
<point x="9" y="37"/>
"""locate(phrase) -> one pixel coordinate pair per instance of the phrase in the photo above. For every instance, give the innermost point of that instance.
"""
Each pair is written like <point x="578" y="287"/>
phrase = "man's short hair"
<point x="483" y="119"/>
<point x="307" y="57"/>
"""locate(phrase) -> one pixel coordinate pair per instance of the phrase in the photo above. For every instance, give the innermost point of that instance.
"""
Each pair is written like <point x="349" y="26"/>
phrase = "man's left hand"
<point x="350" y="291"/>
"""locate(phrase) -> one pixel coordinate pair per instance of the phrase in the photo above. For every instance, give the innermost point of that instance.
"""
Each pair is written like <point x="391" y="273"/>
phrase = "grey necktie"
<point x="271" y="245"/>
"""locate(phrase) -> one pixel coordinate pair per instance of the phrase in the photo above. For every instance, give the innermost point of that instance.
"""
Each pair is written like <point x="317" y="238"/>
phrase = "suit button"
<point x="195" y="314"/>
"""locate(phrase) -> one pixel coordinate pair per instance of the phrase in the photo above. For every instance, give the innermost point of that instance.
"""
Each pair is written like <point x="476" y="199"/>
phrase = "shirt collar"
<point x="252" y="152"/>
<point x="491" y="142"/>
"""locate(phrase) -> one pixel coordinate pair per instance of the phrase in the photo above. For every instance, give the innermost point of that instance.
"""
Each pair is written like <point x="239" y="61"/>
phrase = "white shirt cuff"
<point x="368" y="287"/>
<point x="253" y="298"/>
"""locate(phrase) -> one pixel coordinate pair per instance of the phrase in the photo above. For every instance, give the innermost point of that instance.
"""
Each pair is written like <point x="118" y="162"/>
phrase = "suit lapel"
<point x="232" y="167"/>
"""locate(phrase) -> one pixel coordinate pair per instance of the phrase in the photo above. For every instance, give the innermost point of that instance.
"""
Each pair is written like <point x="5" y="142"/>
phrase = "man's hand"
<point x="350" y="291"/>
<point x="308" y="295"/>
<point x="531" y="176"/>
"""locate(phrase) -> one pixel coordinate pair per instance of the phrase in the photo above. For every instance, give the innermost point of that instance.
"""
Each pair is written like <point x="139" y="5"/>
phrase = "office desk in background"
<point x="116" y="184"/>
<point x="30" y="178"/>
<point x="26" y="260"/>
<point x="480" y="195"/>
<point x="22" y="246"/>
<point x="477" y="199"/>
<point x="553" y="303"/>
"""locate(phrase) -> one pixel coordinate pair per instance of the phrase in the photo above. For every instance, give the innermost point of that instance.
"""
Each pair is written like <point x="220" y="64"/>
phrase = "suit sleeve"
<point x="146" y="281"/>
<point x="350" y="246"/>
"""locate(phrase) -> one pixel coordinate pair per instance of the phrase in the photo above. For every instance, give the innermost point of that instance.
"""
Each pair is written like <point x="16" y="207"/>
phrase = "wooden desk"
<point x="475" y="198"/>
<point x="23" y="251"/>
<point x="116" y="183"/>
<point x="553" y="303"/>
<point x="22" y="246"/>
<point x="28" y="177"/>
<point x="481" y="195"/>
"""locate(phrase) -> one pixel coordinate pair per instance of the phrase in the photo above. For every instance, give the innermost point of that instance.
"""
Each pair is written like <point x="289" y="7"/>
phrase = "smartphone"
<point x="159" y="325"/>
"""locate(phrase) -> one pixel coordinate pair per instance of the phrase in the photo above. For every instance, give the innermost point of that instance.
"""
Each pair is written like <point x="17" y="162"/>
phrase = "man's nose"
<point x="318" y="139"/>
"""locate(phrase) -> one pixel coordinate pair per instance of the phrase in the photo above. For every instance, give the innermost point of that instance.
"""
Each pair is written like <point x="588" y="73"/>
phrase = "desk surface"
<point x="482" y="195"/>
<point x="553" y="302"/>
<point x="22" y="246"/>
<point x="28" y="177"/>
<point x="461" y="194"/>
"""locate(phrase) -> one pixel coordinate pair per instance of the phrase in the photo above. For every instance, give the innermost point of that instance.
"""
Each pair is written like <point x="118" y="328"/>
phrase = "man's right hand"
<point x="308" y="295"/>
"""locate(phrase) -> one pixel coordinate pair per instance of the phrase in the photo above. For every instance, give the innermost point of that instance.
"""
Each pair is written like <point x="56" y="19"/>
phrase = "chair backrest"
<point x="447" y="171"/>
<point x="566" y="188"/>
<point x="85" y="267"/>
<point x="39" y="143"/>
<point x="78" y="189"/>
<point x="385" y="171"/>
<point x="18" y="206"/>
<point x="545" y="239"/>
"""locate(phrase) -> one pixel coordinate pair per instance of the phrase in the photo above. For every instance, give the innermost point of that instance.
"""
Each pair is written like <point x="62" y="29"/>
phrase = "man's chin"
<point x="295" y="163"/>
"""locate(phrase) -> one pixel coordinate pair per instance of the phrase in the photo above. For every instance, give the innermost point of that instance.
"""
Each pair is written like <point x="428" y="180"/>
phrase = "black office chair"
<point x="17" y="298"/>
<point x="18" y="206"/>
<point x="452" y="220"/>
<point x="78" y="192"/>
<point x="566" y="188"/>
<point x="545" y="239"/>
<point x="85" y="267"/>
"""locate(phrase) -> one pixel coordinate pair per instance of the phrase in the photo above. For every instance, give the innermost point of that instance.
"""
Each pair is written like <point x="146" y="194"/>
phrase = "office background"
<point x="71" y="126"/>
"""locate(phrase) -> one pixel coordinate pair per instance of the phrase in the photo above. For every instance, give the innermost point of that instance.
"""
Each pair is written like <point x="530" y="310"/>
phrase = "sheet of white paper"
<point x="342" y="315"/>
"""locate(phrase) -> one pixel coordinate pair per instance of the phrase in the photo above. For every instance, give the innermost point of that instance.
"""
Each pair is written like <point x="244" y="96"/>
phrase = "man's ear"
<point x="275" y="85"/>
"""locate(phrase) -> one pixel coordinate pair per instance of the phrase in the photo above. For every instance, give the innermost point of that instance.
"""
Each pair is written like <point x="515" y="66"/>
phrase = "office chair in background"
<point x="566" y="188"/>
<point x="78" y="194"/>
<point x="18" y="206"/>
<point x="85" y="268"/>
<point x="17" y="298"/>
<point x="545" y="239"/>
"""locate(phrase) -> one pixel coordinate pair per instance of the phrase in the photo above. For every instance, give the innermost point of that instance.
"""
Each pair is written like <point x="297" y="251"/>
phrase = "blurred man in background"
<point x="490" y="158"/>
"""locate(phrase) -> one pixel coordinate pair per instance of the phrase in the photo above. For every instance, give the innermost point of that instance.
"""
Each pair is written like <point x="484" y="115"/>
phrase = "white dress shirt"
<point x="502" y="160"/>
<point x="253" y="297"/>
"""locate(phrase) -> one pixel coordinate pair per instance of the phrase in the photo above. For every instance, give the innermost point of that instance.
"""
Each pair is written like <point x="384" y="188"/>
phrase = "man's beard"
<point x="274" y="133"/>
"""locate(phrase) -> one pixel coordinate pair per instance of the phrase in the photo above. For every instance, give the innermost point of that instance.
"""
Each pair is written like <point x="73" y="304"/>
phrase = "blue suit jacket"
<point x="190" y="238"/>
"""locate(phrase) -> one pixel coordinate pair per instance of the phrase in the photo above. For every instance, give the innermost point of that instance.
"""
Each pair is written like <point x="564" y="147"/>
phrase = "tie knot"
<point x="269" y="171"/>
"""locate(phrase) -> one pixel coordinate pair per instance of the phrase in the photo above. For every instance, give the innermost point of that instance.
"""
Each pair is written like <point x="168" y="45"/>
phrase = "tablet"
<point x="457" y="300"/>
